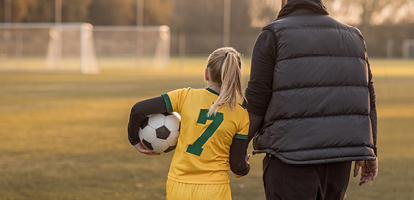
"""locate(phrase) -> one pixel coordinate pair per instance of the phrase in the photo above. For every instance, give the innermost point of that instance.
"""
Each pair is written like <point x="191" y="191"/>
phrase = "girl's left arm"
<point x="138" y="113"/>
<point x="239" y="160"/>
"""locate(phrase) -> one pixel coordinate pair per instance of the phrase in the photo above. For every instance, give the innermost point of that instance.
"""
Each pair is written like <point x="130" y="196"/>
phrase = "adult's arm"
<point x="369" y="168"/>
<point x="373" y="110"/>
<point x="259" y="89"/>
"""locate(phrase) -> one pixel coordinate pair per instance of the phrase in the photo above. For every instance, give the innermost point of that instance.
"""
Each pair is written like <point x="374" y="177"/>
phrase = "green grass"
<point x="63" y="135"/>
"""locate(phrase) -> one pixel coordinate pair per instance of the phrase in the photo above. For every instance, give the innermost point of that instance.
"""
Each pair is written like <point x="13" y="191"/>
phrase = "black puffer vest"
<point x="319" y="110"/>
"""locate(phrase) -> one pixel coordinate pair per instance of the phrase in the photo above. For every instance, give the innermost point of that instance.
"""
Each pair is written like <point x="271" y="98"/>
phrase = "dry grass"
<point x="63" y="136"/>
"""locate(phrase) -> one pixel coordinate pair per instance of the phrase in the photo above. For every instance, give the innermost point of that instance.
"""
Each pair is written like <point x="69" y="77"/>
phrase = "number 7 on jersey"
<point x="197" y="147"/>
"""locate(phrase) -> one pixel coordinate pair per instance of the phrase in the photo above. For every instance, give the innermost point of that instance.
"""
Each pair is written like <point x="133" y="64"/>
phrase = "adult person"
<point x="311" y="103"/>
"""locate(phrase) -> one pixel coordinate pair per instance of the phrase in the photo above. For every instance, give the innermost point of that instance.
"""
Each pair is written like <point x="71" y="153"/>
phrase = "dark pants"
<point x="305" y="182"/>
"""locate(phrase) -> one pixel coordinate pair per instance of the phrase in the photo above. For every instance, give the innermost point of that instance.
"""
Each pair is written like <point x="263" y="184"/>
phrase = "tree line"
<point x="201" y="21"/>
<point x="182" y="12"/>
<point x="97" y="12"/>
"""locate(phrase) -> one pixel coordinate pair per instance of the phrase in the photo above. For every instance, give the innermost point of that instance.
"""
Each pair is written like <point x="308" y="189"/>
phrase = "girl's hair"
<point x="224" y="66"/>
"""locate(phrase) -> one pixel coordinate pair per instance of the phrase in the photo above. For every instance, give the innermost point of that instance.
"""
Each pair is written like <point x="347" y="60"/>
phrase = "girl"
<point x="213" y="134"/>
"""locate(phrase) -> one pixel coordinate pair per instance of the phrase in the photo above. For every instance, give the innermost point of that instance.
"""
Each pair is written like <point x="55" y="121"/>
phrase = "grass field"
<point x="63" y="135"/>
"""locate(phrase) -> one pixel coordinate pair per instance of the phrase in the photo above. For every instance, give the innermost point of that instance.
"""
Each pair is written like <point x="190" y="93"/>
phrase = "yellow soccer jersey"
<point x="203" y="148"/>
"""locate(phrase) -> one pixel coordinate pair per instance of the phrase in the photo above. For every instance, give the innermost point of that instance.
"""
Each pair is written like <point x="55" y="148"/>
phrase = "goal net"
<point x="48" y="46"/>
<point x="123" y="47"/>
<point x="82" y="47"/>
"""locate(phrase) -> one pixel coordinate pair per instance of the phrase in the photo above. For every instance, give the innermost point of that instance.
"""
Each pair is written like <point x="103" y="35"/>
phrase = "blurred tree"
<point x="200" y="16"/>
<point x="75" y="10"/>
<point x="2" y="11"/>
<point x="123" y="12"/>
<point x="157" y="12"/>
<point x="241" y="16"/>
<point x="41" y="11"/>
<point x="197" y="26"/>
<point x="111" y="12"/>
<point x="201" y="23"/>
<point x="19" y="9"/>
<point x="44" y="10"/>
<point x="98" y="12"/>
<point x="263" y="12"/>
<point x="207" y="16"/>
<point x="381" y="21"/>
<point x="366" y="13"/>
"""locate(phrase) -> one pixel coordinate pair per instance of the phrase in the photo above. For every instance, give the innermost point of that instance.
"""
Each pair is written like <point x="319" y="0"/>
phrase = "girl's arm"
<point x="138" y="113"/>
<point x="239" y="161"/>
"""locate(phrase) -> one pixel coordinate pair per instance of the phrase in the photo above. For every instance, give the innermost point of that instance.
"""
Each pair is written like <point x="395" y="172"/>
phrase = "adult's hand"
<point x="369" y="170"/>
<point x="143" y="149"/>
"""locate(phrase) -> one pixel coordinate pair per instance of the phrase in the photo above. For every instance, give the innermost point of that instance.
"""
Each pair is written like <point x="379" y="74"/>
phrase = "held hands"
<point x="141" y="148"/>
<point x="248" y="158"/>
<point x="247" y="161"/>
<point x="369" y="170"/>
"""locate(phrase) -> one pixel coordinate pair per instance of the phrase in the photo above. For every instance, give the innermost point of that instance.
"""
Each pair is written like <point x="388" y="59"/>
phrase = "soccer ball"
<point x="159" y="132"/>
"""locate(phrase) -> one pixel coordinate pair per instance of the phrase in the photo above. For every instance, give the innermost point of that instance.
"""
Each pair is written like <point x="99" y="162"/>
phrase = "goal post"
<point x="48" y="47"/>
<point x="88" y="60"/>
<point x="406" y="46"/>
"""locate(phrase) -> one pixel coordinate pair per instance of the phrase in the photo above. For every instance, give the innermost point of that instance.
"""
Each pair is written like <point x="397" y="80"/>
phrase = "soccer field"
<point x="64" y="135"/>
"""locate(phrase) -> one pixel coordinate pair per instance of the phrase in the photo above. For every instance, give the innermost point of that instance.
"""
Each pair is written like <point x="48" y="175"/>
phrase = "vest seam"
<point x="323" y="86"/>
<point x="297" y="56"/>
<point x="314" y="149"/>
<point x="348" y="29"/>
<point x="320" y="116"/>
<point x="330" y="158"/>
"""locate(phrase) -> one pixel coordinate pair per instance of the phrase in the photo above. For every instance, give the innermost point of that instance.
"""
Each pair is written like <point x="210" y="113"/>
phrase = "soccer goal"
<point x="407" y="45"/>
<point x="82" y="47"/>
<point x="47" y="47"/>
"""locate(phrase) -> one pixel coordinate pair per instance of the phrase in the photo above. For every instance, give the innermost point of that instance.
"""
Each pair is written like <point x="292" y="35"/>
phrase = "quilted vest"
<point x="319" y="110"/>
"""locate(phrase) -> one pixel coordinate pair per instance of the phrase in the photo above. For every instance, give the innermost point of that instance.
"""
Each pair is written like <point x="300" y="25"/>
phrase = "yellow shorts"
<point x="189" y="191"/>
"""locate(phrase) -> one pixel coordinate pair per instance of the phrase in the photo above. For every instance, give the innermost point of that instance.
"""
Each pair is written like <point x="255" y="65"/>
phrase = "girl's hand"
<point x="143" y="149"/>
<point x="237" y="176"/>
<point x="247" y="161"/>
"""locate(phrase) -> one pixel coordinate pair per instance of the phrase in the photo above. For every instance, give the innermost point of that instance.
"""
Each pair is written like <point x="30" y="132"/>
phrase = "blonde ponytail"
<point x="224" y="65"/>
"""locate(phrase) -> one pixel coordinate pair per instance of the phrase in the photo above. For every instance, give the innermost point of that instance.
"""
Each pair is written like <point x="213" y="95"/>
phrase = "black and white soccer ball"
<point x="159" y="132"/>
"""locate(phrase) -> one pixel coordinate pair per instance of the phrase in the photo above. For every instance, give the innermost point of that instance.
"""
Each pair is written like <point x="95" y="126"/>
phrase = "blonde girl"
<point x="214" y="129"/>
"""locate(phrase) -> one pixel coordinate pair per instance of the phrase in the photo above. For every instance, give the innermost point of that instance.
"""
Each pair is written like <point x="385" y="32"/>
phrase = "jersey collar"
<point x="212" y="91"/>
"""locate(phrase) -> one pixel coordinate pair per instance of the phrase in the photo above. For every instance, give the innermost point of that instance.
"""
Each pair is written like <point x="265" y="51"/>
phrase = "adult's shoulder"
<point x="345" y="26"/>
